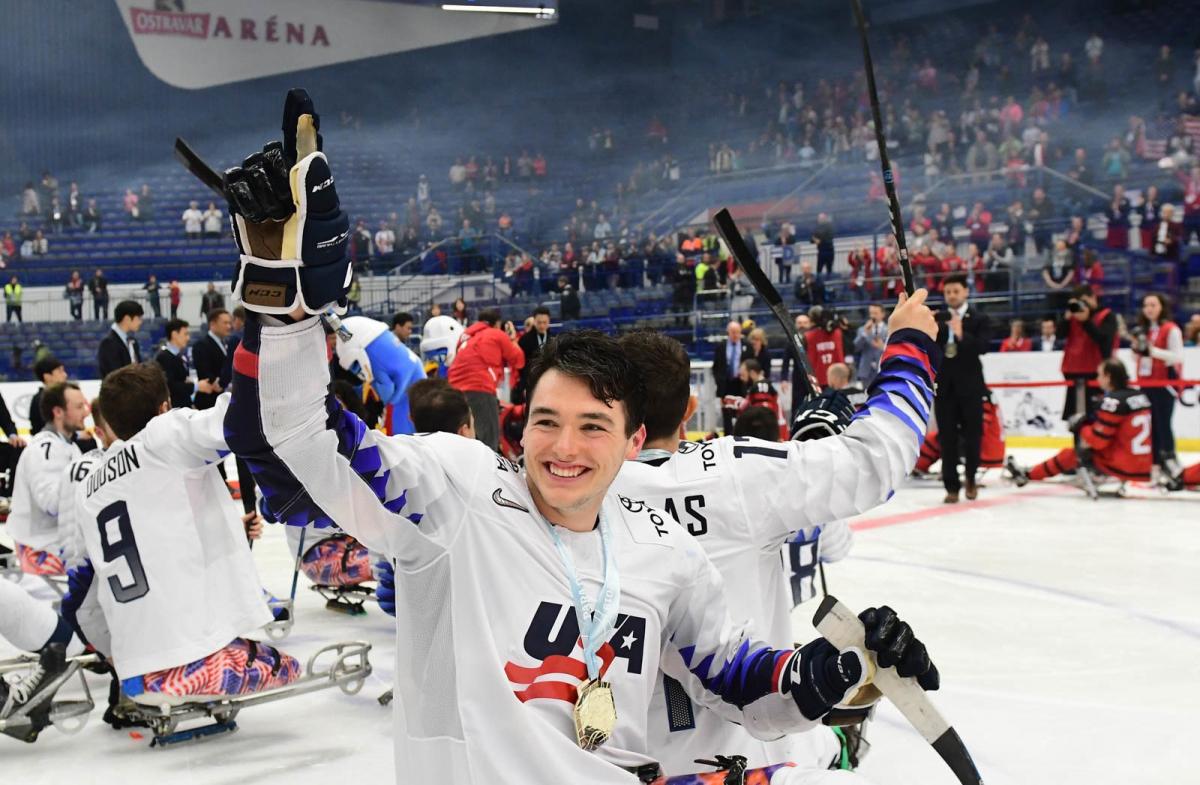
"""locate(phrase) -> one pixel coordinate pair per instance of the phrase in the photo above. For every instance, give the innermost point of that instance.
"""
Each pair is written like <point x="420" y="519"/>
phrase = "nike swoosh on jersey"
<point x="502" y="502"/>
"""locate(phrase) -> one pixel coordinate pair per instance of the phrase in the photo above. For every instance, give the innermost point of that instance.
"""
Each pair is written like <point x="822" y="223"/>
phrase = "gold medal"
<point x="595" y="714"/>
<point x="952" y="349"/>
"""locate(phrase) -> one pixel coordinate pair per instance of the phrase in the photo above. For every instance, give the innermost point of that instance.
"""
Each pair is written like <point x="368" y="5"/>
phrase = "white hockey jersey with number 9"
<point x="173" y="571"/>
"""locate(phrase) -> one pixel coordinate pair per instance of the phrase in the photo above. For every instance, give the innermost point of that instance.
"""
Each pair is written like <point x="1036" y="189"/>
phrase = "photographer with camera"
<point x="964" y="333"/>
<point x="825" y="343"/>
<point x="1158" y="343"/>
<point x="1090" y="338"/>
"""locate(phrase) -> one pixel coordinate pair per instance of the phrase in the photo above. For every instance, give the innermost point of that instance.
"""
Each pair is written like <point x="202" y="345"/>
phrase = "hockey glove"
<point x="828" y="414"/>
<point x="385" y="586"/>
<point x="819" y="677"/>
<point x="894" y="645"/>
<point x="288" y="222"/>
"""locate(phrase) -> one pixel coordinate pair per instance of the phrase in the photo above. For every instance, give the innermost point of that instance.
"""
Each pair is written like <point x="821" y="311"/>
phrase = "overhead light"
<point x="502" y="9"/>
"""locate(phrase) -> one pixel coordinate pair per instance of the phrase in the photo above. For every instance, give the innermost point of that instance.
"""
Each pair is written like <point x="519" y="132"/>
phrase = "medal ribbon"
<point x="596" y="624"/>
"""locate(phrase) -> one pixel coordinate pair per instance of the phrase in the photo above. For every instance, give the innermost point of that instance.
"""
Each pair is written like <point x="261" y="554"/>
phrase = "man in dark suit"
<point x="727" y="360"/>
<point x="810" y="289"/>
<point x="964" y="334"/>
<point x="208" y="356"/>
<point x="177" y="365"/>
<point x="531" y="343"/>
<point x="120" y="347"/>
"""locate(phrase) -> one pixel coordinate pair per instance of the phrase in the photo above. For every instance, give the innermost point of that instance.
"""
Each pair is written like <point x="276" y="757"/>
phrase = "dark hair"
<point x="127" y="308"/>
<point x="1165" y="316"/>
<point x="758" y="422"/>
<point x="216" y="313"/>
<point x="1083" y="290"/>
<point x="54" y="396"/>
<point x="239" y="313"/>
<point x="541" y="310"/>
<point x="436" y="407"/>
<point x="351" y="401"/>
<point x="599" y="361"/>
<point x="48" y="364"/>
<point x="132" y="396"/>
<point x="666" y="374"/>
<point x="490" y="316"/>
<point x="401" y="318"/>
<point x="1116" y="372"/>
<point x="957" y="278"/>
<point x="97" y="412"/>
<point x="174" y="326"/>
<point x="752" y="365"/>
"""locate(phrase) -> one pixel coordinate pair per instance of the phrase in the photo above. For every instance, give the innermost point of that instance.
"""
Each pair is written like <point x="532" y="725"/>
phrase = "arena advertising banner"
<point x="194" y="44"/>
<point x="1037" y="411"/>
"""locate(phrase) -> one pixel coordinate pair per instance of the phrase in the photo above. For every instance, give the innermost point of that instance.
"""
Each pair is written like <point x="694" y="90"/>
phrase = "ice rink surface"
<point x="1067" y="633"/>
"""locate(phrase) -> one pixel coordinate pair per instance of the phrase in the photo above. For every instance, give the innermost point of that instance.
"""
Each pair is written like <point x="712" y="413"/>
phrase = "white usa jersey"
<point x="74" y="550"/>
<point x="173" y="570"/>
<point x="33" y="520"/>
<point x="743" y="498"/>
<point x="488" y="655"/>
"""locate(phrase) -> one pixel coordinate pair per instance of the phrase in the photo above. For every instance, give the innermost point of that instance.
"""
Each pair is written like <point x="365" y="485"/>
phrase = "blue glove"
<point x="828" y="414"/>
<point x="385" y="587"/>
<point x="288" y="222"/>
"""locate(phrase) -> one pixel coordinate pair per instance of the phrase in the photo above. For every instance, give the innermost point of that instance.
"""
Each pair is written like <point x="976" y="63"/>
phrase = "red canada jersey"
<point x="1119" y="435"/>
<point x="824" y="349"/>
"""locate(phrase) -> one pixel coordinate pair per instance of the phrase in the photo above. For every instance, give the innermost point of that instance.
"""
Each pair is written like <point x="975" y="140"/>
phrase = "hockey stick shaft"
<point x="727" y="228"/>
<point x="889" y="179"/>
<point x="196" y="165"/>
<point x="838" y="625"/>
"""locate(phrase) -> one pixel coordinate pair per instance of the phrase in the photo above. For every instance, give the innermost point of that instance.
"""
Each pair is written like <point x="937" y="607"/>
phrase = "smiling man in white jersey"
<point x="533" y="607"/>
<point x="742" y="498"/>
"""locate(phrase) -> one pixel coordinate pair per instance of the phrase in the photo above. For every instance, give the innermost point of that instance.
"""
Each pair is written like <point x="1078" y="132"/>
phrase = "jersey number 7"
<point x="125" y="548"/>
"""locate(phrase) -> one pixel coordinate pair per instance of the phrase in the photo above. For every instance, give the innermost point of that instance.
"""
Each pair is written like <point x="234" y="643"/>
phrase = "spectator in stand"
<point x="822" y="237"/>
<point x="1047" y="340"/>
<point x="151" y="289"/>
<point x="13" y="293"/>
<point x="91" y="217"/>
<point x="869" y="342"/>
<point x="603" y="229"/>
<point x="1158" y="347"/>
<point x="1015" y="239"/>
<point x="1094" y="47"/>
<point x="74" y="205"/>
<point x="50" y="371"/>
<point x="361" y="246"/>
<point x="1091" y="338"/>
<point x="385" y="242"/>
<point x="982" y="158"/>
<point x="1093" y="272"/>
<point x="1165" y="240"/>
<point x="570" y="304"/>
<point x="424" y="199"/>
<point x="459" y="311"/>
<point x="1117" y="215"/>
<point x="193" y="221"/>
<point x="119" y="347"/>
<point x="211" y="301"/>
<point x="98" y="286"/>
<point x="175" y="294"/>
<point x="861" y="286"/>
<point x="1115" y="162"/>
<point x="1016" y="340"/>
<point x="145" y="203"/>
<point x="40" y="245"/>
<point x="943" y="224"/>
<point x="1080" y="172"/>
<point x="1059" y="276"/>
<point x="524" y="166"/>
<point x="484" y="352"/>
<point x="458" y="174"/>
<point x="55" y="217"/>
<point x="1191" y="205"/>
<point x="208" y="357"/>
<point x="1149" y="210"/>
<point x="727" y="361"/>
<point x="74" y="295"/>
<point x="810" y="289"/>
<point x="539" y="165"/>
<point x="979" y="223"/>
<point x="8" y="248"/>
<point x="1191" y="333"/>
<point x="213" y="220"/>
<point x="31" y="203"/>
<point x="130" y="204"/>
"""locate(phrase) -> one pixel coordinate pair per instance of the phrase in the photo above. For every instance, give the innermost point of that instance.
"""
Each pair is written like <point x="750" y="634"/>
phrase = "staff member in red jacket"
<point x="1158" y="343"/>
<point x="483" y="352"/>
<point x="1091" y="338"/>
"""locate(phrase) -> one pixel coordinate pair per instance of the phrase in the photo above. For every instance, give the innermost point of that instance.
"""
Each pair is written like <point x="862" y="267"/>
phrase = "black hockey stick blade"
<point x="727" y="228"/>
<point x="202" y="171"/>
<point x="838" y="625"/>
<point x="889" y="178"/>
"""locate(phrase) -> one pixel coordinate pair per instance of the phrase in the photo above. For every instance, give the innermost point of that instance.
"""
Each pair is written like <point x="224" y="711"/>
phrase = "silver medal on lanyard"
<point x="595" y="709"/>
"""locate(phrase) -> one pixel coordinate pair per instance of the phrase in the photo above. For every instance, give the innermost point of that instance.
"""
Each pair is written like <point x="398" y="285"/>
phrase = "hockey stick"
<point x="195" y="164"/>
<point x="841" y="627"/>
<point x="766" y="290"/>
<point x="889" y="181"/>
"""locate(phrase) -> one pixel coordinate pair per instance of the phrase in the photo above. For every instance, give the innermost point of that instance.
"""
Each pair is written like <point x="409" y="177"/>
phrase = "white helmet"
<point x="439" y="342"/>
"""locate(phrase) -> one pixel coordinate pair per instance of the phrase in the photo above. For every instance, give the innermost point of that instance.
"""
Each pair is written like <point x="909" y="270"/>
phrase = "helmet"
<point x="439" y="342"/>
